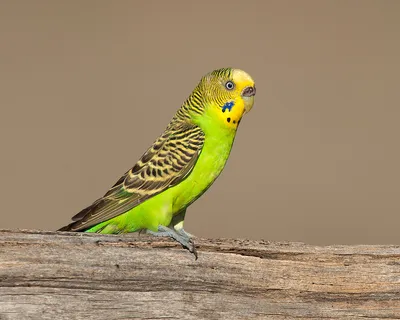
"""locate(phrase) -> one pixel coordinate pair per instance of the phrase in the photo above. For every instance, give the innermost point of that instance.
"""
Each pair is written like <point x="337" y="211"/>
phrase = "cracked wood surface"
<point x="54" y="275"/>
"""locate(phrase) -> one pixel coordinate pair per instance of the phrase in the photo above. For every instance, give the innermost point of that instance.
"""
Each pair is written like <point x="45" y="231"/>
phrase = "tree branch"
<point x="54" y="275"/>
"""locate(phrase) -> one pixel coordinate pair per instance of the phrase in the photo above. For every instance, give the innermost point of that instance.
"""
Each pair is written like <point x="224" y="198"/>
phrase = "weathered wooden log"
<point x="54" y="275"/>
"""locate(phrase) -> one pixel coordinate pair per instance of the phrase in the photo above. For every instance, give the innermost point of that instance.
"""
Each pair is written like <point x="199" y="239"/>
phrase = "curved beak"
<point x="248" y="94"/>
<point x="249" y="91"/>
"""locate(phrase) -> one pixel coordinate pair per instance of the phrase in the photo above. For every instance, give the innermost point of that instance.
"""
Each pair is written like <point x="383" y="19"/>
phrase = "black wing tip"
<point x="66" y="228"/>
<point x="78" y="222"/>
<point x="73" y="226"/>
<point x="81" y="214"/>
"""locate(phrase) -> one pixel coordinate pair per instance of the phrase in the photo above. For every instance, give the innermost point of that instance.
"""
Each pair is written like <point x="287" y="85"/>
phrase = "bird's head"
<point x="227" y="95"/>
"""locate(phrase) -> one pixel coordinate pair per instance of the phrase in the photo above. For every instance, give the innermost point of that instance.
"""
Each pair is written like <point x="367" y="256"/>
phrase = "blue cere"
<point x="228" y="105"/>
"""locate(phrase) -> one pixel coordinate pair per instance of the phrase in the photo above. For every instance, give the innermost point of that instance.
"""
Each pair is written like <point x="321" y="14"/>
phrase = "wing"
<point x="166" y="163"/>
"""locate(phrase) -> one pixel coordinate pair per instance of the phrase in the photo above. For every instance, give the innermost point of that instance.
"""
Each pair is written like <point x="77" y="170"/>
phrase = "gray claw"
<point x="178" y="235"/>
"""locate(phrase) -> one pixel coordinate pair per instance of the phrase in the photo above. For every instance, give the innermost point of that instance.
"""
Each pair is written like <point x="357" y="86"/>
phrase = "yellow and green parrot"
<point x="180" y="165"/>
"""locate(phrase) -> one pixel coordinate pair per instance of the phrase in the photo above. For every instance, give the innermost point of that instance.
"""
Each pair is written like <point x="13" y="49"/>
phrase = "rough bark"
<point x="50" y="275"/>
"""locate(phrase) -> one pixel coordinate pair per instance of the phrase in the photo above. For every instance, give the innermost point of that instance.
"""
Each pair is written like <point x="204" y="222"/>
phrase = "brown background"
<point x="86" y="86"/>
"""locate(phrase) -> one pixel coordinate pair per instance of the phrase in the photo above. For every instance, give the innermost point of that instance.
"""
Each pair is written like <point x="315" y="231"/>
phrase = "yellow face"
<point x="231" y="93"/>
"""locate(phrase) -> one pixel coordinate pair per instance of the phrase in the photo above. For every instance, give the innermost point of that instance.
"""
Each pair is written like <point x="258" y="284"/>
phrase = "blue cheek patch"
<point x="228" y="105"/>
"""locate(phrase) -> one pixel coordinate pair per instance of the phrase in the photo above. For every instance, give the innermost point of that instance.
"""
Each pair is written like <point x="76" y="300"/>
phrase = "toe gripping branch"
<point x="180" y="236"/>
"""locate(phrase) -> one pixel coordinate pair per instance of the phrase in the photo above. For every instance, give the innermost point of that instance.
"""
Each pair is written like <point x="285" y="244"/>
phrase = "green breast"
<point x="212" y="159"/>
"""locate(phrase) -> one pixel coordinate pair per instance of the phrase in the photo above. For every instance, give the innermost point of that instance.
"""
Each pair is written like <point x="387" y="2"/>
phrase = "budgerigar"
<point x="180" y="165"/>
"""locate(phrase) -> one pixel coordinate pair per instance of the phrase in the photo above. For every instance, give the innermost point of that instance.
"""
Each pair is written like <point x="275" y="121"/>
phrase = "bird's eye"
<point x="229" y="85"/>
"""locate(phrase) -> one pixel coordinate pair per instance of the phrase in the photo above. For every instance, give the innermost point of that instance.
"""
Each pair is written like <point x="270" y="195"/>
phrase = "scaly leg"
<point x="177" y="224"/>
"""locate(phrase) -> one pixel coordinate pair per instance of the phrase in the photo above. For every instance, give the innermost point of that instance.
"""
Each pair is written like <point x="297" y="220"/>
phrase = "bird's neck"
<point x="192" y="107"/>
<point x="211" y="116"/>
<point x="212" y="124"/>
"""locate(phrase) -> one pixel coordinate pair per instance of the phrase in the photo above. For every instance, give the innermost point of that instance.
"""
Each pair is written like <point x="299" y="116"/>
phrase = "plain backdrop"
<point x="87" y="86"/>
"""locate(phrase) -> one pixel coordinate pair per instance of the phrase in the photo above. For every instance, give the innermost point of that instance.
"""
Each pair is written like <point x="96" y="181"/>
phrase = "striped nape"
<point x="193" y="104"/>
<point x="207" y="90"/>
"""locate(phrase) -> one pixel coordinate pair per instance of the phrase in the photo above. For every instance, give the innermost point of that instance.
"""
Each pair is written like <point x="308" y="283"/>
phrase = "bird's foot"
<point x="183" y="233"/>
<point x="183" y="238"/>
